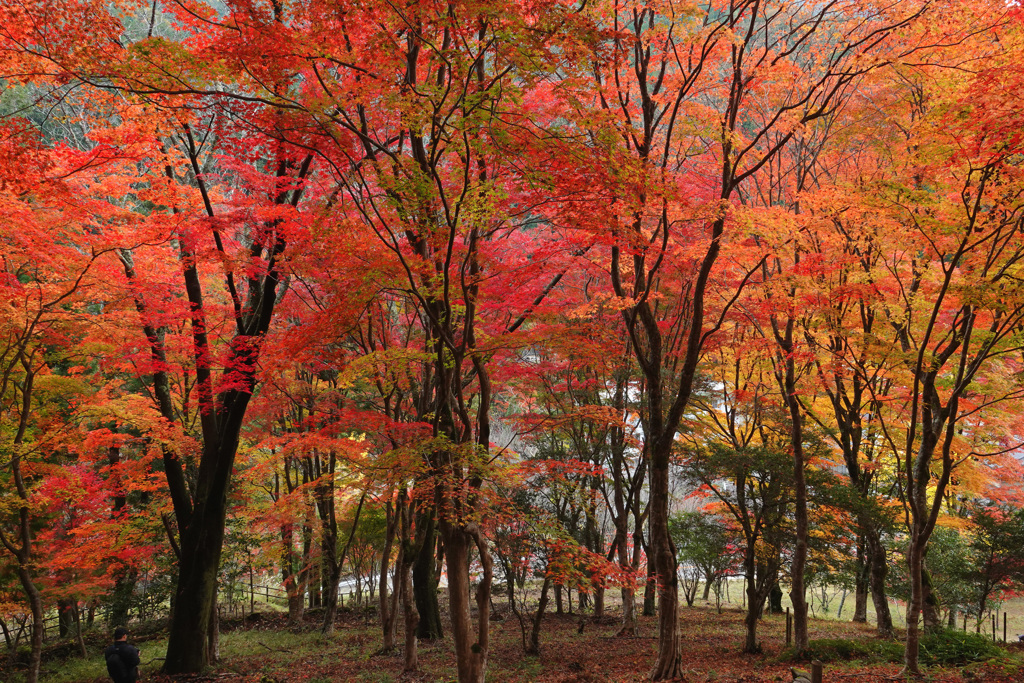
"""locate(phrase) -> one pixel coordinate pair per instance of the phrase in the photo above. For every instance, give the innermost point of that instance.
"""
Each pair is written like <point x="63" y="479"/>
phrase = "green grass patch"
<point x="844" y="650"/>
<point x="953" y="648"/>
<point x="944" y="648"/>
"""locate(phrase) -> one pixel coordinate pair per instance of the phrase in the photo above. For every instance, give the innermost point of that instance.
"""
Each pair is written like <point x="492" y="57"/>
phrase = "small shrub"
<point x="842" y="649"/>
<point x="950" y="648"/>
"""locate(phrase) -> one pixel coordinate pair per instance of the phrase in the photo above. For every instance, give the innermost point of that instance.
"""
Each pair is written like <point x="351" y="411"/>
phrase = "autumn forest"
<point x="475" y="306"/>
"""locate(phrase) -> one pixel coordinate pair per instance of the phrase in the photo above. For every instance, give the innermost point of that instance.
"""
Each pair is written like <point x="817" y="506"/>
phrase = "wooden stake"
<point x="816" y="672"/>
<point x="789" y="627"/>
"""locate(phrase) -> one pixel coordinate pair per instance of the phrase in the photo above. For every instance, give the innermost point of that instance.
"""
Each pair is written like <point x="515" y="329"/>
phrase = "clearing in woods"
<point x="261" y="649"/>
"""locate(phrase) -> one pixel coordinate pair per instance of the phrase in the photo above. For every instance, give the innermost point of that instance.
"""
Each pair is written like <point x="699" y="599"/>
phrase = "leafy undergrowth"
<point x="264" y="650"/>
<point x="948" y="647"/>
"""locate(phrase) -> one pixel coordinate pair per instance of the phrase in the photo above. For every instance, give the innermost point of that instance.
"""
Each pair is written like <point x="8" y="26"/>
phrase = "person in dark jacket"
<point x="122" y="658"/>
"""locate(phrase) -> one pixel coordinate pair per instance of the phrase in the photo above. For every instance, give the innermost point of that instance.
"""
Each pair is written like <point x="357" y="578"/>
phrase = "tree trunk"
<point x="879" y="564"/>
<point x="534" y="646"/>
<point x="124" y="590"/>
<point x="65" y="617"/>
<point x="471" y="646"/>
<point x="750" y="645"/>
<point x="407" y="558"/>
<point x="315" y="586"/>
<point x="669" y="662"/>
<point x="424" y="578"/>
<point x="389" y="607"/>
<point x="412" y="617"/>
<point x="862" y="581"/>
<point x="930" y="603"/>
<point x="79" y="640"/>
<point x="786" y="375"/>
<point x="188" y="646"/>
<point x="331" y="576"/>
<point x="649" y="589"/>
<point x="916" y="551"/>
<point x="35" y="601"/>
<point x="775" y="599"/>
<point x="629" y="626"/>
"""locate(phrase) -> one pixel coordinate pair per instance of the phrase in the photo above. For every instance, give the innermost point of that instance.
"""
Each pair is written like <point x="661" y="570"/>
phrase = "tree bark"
<point x="668" y="664"/>
<point x="649" y="589"/>
<point x="79" y="640"/>
<point x="628" y="591"/>
<point x="407" y="558"/>
<point x="534" y="647"/>
<point x="915" y="561"/>
<point x="750" y="644"/>
<point x="35" y="602"/>
<point x="786" y="376"/>
<point x="65" y="617"/>
<point x="291" y="579"/>
<point x="389" y="602"/>
<point x="200" y="510"/>
<point x="879" y="563"/>
<point x="425" y="580"/>
<point x="471" y="645"/>
<point x="930" y="604"/>
<point x="862" y="581"/>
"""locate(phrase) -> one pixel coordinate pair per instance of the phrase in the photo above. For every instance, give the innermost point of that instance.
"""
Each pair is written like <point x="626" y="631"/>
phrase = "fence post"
<point x="993" y="627"/>
<point x="1004" y="626"/>
<point x="816" y="672"/>
<point x="789" y="627"/>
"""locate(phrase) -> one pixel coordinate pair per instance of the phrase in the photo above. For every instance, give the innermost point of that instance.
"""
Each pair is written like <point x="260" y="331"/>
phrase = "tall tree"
<point x="757" y="73"/>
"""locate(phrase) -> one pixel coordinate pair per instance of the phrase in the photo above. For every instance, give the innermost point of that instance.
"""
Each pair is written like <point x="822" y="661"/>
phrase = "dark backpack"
<point x="116" y="666"/>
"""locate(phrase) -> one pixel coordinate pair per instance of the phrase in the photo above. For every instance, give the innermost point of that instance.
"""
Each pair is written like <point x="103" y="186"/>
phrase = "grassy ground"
<point x="1014" y="610"/>
<point x="260" y="649"/>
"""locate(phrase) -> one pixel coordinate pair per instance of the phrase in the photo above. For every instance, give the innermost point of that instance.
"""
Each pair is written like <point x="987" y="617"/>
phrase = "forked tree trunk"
<point x="195" y="595"/>
<point x="471" y="645"/>
<point x="424" y="577"/>
<point x="534" y="647"/>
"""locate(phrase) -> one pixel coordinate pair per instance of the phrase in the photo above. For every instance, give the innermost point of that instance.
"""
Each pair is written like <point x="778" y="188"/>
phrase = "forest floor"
<point x="261" y="649"/>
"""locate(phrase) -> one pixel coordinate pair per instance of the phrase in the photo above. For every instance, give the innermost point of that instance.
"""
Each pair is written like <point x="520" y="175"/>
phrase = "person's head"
<point x="120" y="633"/>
